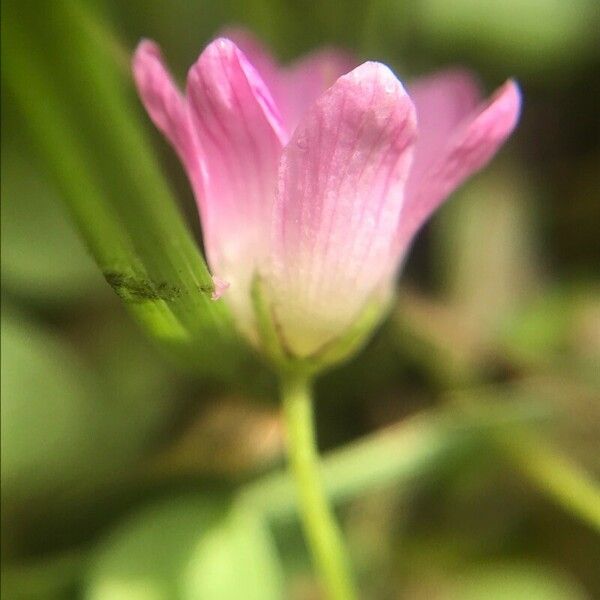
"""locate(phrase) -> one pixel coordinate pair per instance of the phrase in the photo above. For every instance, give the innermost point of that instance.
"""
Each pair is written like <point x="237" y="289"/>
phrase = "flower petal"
<point x="443" y="100"/>
<point x="446" y="159"/>
<point x="340" y="193"/>
<point x="295" y="87"/>
<point x="241" y="137"/>
<point x="306" y="79"/>
<point x="258" y="56"/>
<point x="167" y="107"/>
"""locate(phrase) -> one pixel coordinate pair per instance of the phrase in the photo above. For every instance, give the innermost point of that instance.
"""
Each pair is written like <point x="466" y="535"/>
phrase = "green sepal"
<point x="274" y="347"/>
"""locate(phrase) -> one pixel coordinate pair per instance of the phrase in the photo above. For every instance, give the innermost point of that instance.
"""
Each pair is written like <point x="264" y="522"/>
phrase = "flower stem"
<point x="321" y="530"/>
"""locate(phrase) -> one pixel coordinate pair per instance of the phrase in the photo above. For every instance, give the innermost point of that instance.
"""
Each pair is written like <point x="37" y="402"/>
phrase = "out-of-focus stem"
<point x="570" y="485"/>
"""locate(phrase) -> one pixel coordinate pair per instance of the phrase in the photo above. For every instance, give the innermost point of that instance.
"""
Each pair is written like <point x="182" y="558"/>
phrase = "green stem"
<point x="321" y="530"/>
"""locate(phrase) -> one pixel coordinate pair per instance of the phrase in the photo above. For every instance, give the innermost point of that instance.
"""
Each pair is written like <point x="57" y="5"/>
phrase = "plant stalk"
<point x="322" y="532"/>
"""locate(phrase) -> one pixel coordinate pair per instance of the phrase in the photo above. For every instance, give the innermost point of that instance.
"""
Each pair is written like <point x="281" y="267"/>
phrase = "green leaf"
<point x="237" y="555"/>
<point x="64" y="424"/>
<point x="485" y="250"/>
<point x="49" y="412"/>
<point x="187" y="547"/>
<point x="541" y="331"/>
<point x="70" y="80"/>
<point x="521" y="581"/>
<point x="52" y="578"/>
<point x="529" y="35"/>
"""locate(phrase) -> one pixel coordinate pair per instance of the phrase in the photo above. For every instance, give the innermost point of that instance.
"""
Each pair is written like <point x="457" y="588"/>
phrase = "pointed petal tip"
<point x="513" y="85"/>
<point x="147" y="45"/>
<point x="468" y="150"/>
<point x="373" y="84"/>
<point x="146" y="50"/>
<point x="149" y="70"/>
<point x="510" y="91"/>
<point x="156" y="88"/>
<point x="376" y="71"/>
<point x="377" y="85"/>
<point x="224" y="69"/>
<point x="514" y="96"/>
<point x="221" y="46"/>
<point x="221" y="50"/>
<point x="503" y="107"/>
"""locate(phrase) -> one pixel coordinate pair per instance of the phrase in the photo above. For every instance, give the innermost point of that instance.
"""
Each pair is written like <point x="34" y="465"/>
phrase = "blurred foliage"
<point x="538" y="35"/>
<point x="462" y="446"/>
<point x="31" y="209"/>
<point x="191" y="547"/>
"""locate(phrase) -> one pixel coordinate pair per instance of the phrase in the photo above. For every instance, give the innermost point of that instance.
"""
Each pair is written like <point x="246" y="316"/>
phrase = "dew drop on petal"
<point x="390" y="87"/>
<point x="301" y="143"/>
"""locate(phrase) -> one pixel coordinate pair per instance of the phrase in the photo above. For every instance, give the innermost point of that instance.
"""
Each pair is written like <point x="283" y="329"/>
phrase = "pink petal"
<point x="167" y="107"/>
<point x="461" y="146"/>
<point x="257" y="55"/>
<point x="295" y="87"/>
<point x="443" y="101"/>
<point x="340" y="193"/>
<point x="306" y="79"/>
<point x="241" y="137"/>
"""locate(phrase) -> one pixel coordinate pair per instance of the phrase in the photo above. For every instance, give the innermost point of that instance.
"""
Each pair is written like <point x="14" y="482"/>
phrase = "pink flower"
<point x="314" y="178"/>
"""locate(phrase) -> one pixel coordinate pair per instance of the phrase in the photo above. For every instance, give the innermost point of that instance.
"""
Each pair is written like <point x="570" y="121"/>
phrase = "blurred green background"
<point x="144" y="461"/>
